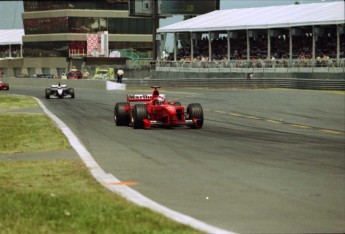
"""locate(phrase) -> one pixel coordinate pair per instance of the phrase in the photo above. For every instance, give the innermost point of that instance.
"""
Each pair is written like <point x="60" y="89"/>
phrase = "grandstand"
<point x="311" y="33"/>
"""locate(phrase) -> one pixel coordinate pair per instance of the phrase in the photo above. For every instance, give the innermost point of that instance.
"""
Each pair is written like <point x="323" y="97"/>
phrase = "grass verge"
<point x="29" y="133"/>
<point x="14" y="102"/>
<point x="60" y="196"/>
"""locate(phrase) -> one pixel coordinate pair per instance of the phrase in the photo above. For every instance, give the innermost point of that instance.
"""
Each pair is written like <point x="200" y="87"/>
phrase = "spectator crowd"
<point x="325" y="47"/>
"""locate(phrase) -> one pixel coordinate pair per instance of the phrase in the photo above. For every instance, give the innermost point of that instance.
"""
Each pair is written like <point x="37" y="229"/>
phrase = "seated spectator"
<point x="85" y="74"/>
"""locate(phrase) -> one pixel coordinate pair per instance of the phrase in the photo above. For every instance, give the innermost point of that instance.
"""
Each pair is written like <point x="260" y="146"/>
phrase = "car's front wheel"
<point x="121" y="116"/>
<point x="72" y="93"/>
<point x="195" y="111"/>
<point x="48" y="93"/>
<point x="139" y="114"/>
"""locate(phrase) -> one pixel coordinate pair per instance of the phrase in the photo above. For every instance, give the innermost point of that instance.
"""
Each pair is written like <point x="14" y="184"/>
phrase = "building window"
<point x="87" y="25"/>
<point x="46" y="25"/>
<point x="30" y="5"/>
<point x="46" y="49"/>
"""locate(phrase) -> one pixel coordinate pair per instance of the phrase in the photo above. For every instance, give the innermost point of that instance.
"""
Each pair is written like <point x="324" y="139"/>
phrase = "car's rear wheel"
<point x="72" y="93"/>
<point x="48" y="93"/>
<point x="194" y="110"/>
<point x="121" y="116"/>
<point x="139" y="114"/>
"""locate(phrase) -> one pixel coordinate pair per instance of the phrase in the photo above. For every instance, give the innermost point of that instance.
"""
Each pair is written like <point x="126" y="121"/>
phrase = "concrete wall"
<point x="295" y="83"/>
<point x="46" y="83"/>
<point x="17" y="66"/>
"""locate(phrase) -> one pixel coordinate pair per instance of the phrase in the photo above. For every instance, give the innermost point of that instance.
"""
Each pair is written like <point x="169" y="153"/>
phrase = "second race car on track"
<point x="152" y="110"/>
<point x="59" y="91"/>
<point x="4" y="86"/>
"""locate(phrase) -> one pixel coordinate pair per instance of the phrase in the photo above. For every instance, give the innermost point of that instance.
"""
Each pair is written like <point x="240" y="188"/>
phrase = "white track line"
<point x="130" y="194"/>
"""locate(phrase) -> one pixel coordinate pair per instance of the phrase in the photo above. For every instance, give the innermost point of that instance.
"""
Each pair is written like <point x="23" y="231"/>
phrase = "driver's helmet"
<point x="159" y="101"/>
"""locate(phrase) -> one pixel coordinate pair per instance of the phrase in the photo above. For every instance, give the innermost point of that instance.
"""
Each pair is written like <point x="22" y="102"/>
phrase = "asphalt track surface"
<point x="266" y="161"/>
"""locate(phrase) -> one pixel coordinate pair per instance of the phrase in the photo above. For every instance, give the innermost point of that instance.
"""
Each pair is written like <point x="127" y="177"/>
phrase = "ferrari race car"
<point x="4" y="86"/>
<point x="59" y="91"/>
<point x="152" y="110"/>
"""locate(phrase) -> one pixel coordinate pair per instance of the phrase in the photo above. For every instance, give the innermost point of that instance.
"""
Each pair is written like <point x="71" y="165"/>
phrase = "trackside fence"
<point x="278" y="65"/>
<point x="294" y="83"/>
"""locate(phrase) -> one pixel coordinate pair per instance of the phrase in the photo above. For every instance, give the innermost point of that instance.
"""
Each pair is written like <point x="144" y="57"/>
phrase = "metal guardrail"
<point x="294" y="83"/>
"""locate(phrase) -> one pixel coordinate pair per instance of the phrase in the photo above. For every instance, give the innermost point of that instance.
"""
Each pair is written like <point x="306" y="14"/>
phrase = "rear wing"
<point x="142" y="97"/>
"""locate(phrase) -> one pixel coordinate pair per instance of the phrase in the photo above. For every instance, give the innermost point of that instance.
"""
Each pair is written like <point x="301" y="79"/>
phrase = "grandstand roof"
<point x="11" y="36"/>
<point x="263" y="18"/>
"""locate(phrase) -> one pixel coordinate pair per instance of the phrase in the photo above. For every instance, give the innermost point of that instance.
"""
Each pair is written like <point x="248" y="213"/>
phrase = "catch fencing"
<point x="294" y="83"/>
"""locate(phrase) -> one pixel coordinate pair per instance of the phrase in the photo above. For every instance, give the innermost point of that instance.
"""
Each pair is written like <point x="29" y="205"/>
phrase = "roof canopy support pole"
<point x="165" y="35"/>
<point x="209" y="47"/>
<point x="162" y="40"/>
<point x="228" y="32"/>
<point x="314" y="43"/>
<point x="191" y="46"/>
<point x="10" y="50"/>
<point x="248" y="46"/>
<point x="290" y="44"/>
<point x="268" y="44"/>
<point x="338" y="43"/>
<point x="175" y="45"/>
<point x="21" y="50"/>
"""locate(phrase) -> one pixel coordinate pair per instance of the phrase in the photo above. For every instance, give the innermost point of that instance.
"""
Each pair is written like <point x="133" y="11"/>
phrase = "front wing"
<point x="196" y="123"/>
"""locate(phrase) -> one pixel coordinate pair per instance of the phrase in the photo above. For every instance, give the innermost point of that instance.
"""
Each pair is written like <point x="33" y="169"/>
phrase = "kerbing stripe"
<point x="107" y="179"/>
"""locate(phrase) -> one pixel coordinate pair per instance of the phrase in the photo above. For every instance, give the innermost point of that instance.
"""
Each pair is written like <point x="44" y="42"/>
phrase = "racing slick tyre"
<point x="121" y="116"/>
<point x="194" y="110"/>
<point x="48" y="93"/>
<point x="71" y="92"/>
<point x="139" y="114"/>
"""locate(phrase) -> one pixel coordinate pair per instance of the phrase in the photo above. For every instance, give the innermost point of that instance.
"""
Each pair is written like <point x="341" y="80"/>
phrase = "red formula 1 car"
<point x="152" y="110"/>
<point x="4" y="86"/>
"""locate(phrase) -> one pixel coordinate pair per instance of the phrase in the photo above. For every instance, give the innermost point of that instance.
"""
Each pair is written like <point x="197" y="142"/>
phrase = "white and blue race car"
<point x="59" y="91"/>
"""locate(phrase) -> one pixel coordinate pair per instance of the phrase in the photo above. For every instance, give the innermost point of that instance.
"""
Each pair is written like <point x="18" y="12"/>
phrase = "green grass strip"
<point x="60" y="196"/>
<point x="8" y="101"/>
<point x="28" y="133"/>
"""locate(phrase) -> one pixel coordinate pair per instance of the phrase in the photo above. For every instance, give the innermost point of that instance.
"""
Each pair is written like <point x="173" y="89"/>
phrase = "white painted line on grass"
<point x="106" y="179"/>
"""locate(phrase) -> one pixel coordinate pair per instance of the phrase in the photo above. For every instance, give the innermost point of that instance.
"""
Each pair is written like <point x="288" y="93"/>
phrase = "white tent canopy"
<point x="263" y="18"/>
<point x="11" y="36"/>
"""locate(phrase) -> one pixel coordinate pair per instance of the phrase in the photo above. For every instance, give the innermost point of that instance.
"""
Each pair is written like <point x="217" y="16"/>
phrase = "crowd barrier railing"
<point x="282" y="65"/>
